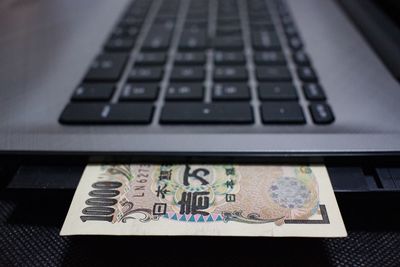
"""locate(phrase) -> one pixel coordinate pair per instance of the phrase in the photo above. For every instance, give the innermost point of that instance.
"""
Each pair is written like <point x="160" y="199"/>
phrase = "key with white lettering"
<point x="185" y="91"/>
<point x="139" y="92"/>
<point x="107" y="67"/>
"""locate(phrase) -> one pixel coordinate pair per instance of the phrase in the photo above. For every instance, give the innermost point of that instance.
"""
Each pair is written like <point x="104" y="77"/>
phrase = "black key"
<point x="284" y="14"/>
<point x="107" y="67"/>
<point x="230" y="74"/>
<point x="228" y="17"/>
<point x="301" y="58"/>
<point x="227" y="22"/>
<point x="193" y="41"/>
<point x="94" y="91"/>
<point x="228" y="30"/>
<point x="260" y="15"/>
<point x="127" y="32"/>
<point x="95" y="113"/>
<point x="307" y="74"/>
<point x="273" y="74"/>
<point x="265" y="40"/>
<point x="166" y="22"/>
<point x="229" y="43"/>
<point x="261" y="24"/>
<point x="277" y="91"/>
<point x="187" y="74"/>
<point x="196" y="14"/>
<point x="314" y="92"/>
<point x="131" y="21"/>
<point x="184" y="91"/>
<point x="146" y="74"/>
<point x="195" y="26"/>
<point x="169" y="8"/>
<point x="140" y="6"/>
<point x="190" y="58"/>
<point x="139" y="92"/>
<point x="287" y="20"/>
<point x="221" y="31"/>
<point x="137" y="11"/>
<point x="227" y="14"/>
<point x="155" y="58"/>
<point x="290" y="30"/>
<point x="321" y="113"/>
<point x="229" y="58"/>
<point x="295" y="43"/>
<point x="231" y="91"/>
<point x="120" y="44"/>
<point x="282" y="113"/>
<point x="231" y="18"/>
<point x="223" y="113"/>
<point x="158" y="39"/>
<point x="269" y="58"/>
<point x="260" y="12"/>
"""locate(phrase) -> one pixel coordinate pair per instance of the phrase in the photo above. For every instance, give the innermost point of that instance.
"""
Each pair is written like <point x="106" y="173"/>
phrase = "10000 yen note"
<point x="210" y="200"/>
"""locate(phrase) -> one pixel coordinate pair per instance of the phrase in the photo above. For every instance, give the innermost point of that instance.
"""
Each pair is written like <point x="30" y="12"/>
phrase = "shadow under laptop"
<point x="196" y="251"/>
<point x="37" y="207"/>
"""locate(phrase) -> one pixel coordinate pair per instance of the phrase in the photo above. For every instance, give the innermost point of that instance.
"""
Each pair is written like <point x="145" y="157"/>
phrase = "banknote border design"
<point x="253" y="218"/>
<point x="324" y="214"/>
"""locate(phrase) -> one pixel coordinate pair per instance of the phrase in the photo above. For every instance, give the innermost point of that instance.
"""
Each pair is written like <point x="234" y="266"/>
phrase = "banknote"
<point x="209" y="200"/>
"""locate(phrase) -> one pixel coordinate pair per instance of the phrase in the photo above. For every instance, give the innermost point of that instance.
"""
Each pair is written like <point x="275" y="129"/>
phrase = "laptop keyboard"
<point x="201" y="62"/>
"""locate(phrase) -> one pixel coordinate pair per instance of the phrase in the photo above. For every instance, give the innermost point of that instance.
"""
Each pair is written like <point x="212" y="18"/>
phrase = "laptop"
<point x="225" y="78"/>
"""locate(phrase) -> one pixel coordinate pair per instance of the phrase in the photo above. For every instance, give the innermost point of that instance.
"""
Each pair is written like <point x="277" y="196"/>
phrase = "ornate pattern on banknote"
<point x="202" y="194"/>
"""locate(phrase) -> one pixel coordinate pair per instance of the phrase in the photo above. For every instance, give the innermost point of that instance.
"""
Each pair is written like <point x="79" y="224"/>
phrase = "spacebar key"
<point x="216" y="113"/>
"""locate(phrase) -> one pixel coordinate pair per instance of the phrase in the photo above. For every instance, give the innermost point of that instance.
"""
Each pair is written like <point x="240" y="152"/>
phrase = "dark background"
<point x="390" y="8"/>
